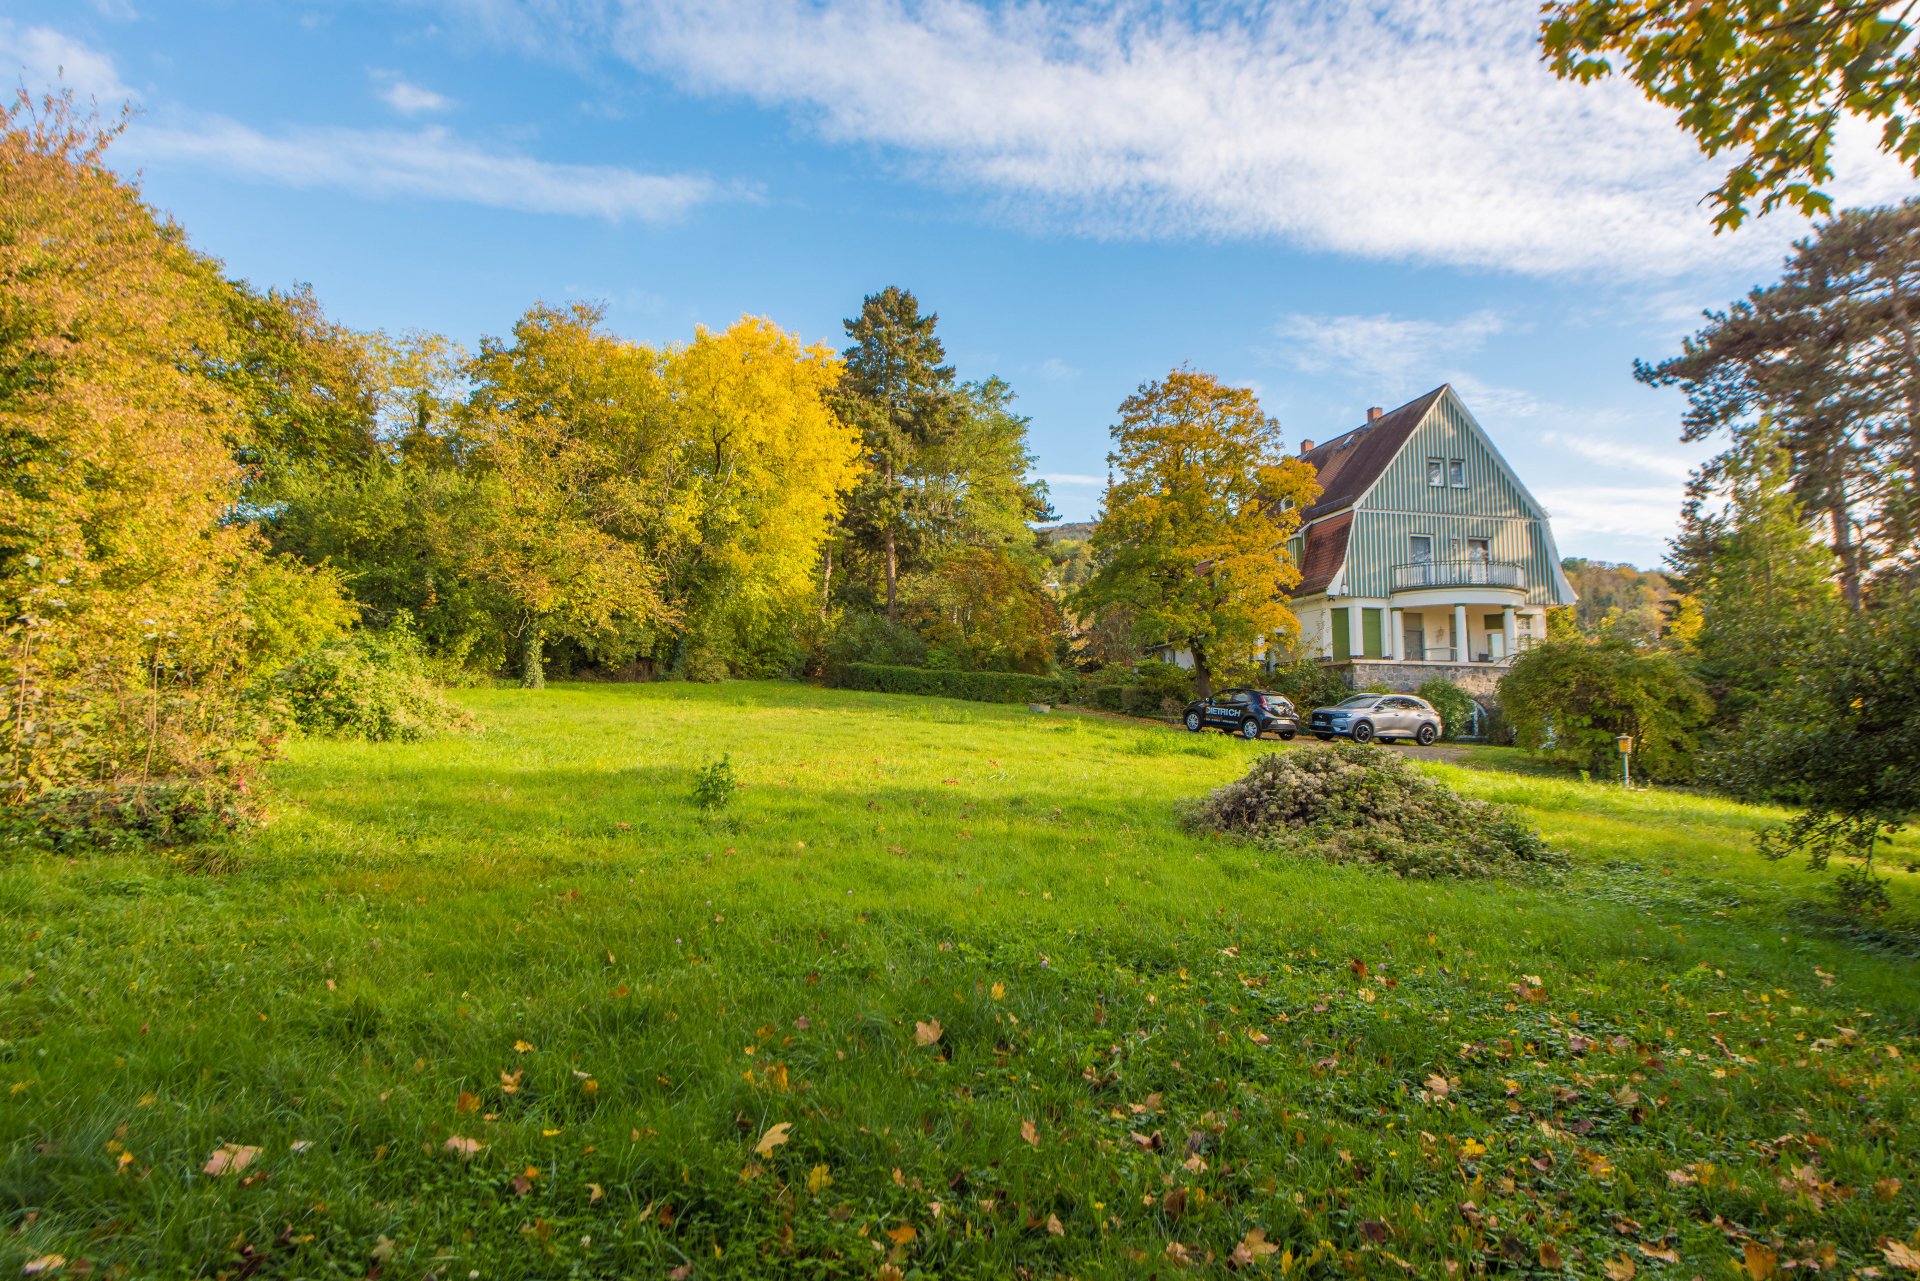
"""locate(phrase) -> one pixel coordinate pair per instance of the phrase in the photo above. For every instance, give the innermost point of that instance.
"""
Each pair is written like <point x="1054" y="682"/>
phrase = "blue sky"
<point x="1339" y="204"/>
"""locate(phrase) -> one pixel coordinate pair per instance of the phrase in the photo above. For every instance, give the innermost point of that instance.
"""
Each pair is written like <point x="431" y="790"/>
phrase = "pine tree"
<point x="899" y="392"/>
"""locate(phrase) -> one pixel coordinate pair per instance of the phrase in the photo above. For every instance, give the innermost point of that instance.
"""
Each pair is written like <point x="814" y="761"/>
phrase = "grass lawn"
<point x="511" y="1005"/>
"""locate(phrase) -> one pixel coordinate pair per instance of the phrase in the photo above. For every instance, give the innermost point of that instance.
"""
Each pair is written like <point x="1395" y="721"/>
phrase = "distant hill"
<point x="1071" y="531"/>
<point x="1627" y="595"/>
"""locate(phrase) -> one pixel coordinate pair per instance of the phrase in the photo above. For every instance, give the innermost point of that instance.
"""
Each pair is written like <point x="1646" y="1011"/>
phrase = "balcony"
<point x="1459" y="573"/>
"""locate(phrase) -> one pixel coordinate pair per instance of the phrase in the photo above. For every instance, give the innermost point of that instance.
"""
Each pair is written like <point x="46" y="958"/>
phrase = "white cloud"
<point x="431" y="162"/>
<point x="408" y="98"/>
<point x="1072" y="480"/>
<point x="1382" y="350"/>
<point x="1621" y="455"/>
<point x="1644" y="513"/>
<point x="1056" y="370"/>
<point x="46" y="59"/>
<point x="1426" y="130"/>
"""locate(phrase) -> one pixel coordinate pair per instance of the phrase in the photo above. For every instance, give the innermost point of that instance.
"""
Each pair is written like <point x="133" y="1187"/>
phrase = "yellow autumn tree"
<point x="771" y="463"/>
<point x="1192" y="537"/>
<point x="129" y="601"/>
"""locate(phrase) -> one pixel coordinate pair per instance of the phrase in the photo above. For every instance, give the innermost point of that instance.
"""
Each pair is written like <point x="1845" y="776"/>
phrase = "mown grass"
<point x="1150" y="1043"/>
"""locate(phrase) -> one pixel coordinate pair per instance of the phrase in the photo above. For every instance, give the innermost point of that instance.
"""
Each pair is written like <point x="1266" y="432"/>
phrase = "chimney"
<point x="1373" y="413"/>
<point x="1306" y="447"/>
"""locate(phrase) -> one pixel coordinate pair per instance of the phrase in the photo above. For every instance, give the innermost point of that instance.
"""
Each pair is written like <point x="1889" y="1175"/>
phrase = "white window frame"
<point x="1413" y="553"/>
<point x="1436" y="473"/>
<point x="1457" y="473"/>
<point x="1483" y="553"/>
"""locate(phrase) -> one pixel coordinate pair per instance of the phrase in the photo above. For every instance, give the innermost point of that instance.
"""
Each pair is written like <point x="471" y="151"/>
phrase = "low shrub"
<point x="1362" y="804"/>
<point x="1152" y="688"/>
<point x="714" y="785"/>
<point x="371" y="685"/>
<point x="1455" y="705"/>
<point x="131" y="816"/>
<point x="1309" y="683"/>
<point x="978" y="687"/>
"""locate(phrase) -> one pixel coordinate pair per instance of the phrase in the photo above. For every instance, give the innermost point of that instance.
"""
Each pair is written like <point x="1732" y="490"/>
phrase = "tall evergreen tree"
<point x="1759" y="586"/>
<point x="1831" y="355"/>
<point x="899" y="392"/>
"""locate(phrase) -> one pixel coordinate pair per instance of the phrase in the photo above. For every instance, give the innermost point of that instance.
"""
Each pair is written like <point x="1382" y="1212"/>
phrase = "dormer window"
<point x="1437" y="472"/>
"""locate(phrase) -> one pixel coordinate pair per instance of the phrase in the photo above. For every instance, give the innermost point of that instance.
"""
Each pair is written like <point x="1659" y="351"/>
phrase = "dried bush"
<point x="1361" y="804"/>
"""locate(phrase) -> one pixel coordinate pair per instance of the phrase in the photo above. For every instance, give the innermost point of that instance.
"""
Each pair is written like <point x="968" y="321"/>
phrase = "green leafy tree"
<point x="1570" y="699"/>
<point x="1766" y="80"/>
<point x="1192" y="539"/>
<point x="571" y="439"/>
<point x="1840" y="740"/>
<point x="988" y="610"/>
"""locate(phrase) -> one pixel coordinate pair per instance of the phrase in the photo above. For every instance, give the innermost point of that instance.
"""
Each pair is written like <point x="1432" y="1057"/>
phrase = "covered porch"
<point x="1439" y="612"/>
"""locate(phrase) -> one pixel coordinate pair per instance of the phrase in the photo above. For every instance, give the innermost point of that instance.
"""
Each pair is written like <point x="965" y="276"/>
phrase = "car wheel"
<point x="1193" y="722"/>
<point x="1425" y="735"/>
<point x="1363" y="732"/>
<point x="1250" y="729"/>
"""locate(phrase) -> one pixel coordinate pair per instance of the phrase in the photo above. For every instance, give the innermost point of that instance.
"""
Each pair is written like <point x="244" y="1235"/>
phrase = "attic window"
<point x="1457" y="473"/>
<point x="1437" y="472"/>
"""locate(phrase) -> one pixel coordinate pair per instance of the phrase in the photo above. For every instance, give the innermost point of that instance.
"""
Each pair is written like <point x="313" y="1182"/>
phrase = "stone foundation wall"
<point x="1481" y="681"/>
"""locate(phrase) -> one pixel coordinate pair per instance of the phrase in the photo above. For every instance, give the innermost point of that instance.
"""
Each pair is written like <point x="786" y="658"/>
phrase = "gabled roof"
<point x="1350" y="463"/>
<point x="1325" y="550"/>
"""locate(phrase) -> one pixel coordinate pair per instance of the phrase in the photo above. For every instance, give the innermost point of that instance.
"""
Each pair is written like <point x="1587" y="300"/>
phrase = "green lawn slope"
<point x="945" y="991"/>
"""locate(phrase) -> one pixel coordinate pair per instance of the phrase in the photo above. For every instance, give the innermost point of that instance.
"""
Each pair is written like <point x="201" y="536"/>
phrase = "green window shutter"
<point x="1370" y="645"/>
<point x="1342" y="646"/>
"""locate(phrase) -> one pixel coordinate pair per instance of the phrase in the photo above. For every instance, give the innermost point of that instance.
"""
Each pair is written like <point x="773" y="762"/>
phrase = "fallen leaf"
<point x="1762" y="1263"/>
<point x="1620" y="1269"/>
<point x="523" y="1047"/>
<point x="1438" y="1086"/>
<point x="1550" y="1255"/>
<point x="467" y="1102"/>
<point x="1662" y="1253"/>
<point x="1901" y="1255"/>
<point x="1055" y="1227"/>
<point x="926" y="1033"/>
<point x="44" y="1264"/>
<point x="999" y="991"/>
<point x="773" y="1138"/>
<point x="521" y="1185"/>
<point x="1253" y="1248"/>
<point x="230" y="1158"/>
<point x="595" y="1193"/>
<point x="1030" y="1134"/>
<point x="819" y="1179"/>
<point x="464" y="1148"/>
<point x="903" y="1234"/>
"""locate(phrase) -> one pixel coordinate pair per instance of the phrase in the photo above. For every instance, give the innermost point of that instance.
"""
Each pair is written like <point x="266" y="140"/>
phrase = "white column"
<point x="1396" y="635"/>
<point x="1461" y="653"/>
<point x="1510" y="625"/>
<point x="1356" y="631"/>
<point x="1326" y="631"/>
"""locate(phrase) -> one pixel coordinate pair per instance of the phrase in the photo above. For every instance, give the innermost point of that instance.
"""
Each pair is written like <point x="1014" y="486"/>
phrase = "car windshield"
<point x="1364" y="701"/>
<point x="1272" y="697"/>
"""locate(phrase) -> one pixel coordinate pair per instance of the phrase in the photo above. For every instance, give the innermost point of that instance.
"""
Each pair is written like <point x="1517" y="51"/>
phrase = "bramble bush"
<point x="1362" y="804"/>
<point x="370" y="685"/>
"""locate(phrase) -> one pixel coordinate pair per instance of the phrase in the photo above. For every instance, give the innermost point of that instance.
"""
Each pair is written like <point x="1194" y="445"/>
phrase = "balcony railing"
<point x="1459" y="573"/>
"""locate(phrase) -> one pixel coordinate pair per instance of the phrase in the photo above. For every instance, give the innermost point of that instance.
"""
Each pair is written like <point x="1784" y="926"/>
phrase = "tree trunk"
<point x="533" y="673"/>
<point x="826" y="580"/>
<point x="1846" y="550"/>
<point x="1202" y="675"/>
<point x="893" y="579"/>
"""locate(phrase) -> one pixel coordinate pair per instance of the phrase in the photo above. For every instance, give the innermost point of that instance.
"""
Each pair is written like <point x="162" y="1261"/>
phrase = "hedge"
<point x="978" y="687"/>
<point x="1130" y="700"/>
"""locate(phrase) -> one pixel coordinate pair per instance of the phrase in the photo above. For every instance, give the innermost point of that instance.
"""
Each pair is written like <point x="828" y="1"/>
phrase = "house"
<point x="1425" y="555"/>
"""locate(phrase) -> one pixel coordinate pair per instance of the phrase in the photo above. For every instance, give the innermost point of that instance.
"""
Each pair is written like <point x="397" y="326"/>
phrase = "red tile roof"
<point x="1349" y="464"/>
<point x="1325" y="552"/>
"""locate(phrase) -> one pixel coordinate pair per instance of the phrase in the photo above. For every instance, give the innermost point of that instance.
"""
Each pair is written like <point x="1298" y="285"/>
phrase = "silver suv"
<point x="1365" y="717"/>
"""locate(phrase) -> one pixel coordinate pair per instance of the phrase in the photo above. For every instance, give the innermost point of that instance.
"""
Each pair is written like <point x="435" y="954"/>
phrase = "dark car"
<point x="1246" y="712"/>
<point x="1365" y="717"/>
